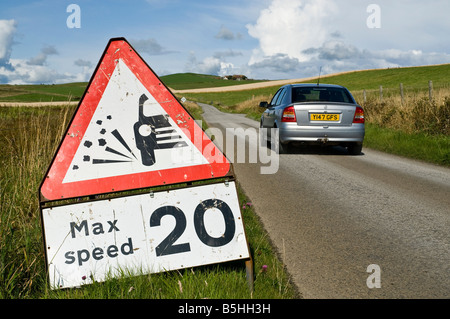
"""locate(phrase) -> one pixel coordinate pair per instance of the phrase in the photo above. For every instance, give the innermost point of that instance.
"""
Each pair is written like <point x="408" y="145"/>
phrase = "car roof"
<point x="316" y="85"/>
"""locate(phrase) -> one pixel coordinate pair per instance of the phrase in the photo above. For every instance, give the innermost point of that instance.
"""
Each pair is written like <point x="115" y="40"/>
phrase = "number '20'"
<point x="168" y="246"/>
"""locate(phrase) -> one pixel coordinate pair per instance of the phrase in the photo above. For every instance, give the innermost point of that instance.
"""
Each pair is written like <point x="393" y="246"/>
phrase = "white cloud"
<point x="283" y="38"/>
<point x="83" y="63"/>
<point x="34" y="70"/>
<point x="226" y="34"/>
<point x="149" y="46"/>
<point x="298" y="37"/>
<point x="338" y="54"/>
<point x="280" y="62"/>
<point x="7" y="31"/>
<point x="209" y="65"/>
<point x="227" y="54"/>
<point x="23" y="72"/>
<point x="289" y="27"/>
<point x="41" y="58"/>
<point x="335" y="50"/>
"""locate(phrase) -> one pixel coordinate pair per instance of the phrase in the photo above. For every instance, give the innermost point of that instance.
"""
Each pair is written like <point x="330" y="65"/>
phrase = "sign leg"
<point x="249" y="269"/>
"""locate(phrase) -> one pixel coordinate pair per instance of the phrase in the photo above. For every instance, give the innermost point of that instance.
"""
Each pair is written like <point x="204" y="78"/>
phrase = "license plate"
<point x="325" y="117"/>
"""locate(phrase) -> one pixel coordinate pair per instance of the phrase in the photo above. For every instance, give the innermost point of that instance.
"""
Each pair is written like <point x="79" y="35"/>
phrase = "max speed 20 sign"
<point x="144" y="233"/>
<point x="129" y="132"/>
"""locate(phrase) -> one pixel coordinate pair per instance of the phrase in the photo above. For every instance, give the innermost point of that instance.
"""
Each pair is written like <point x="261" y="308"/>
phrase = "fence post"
<point x="401" y="93"/>
<point x="381" y="94"/>
<point x="430" y="90"/>
<point x="364" y="96"/>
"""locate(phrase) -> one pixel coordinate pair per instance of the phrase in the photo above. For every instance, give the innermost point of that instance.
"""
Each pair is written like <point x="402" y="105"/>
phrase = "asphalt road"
<point x="331" y="216"/>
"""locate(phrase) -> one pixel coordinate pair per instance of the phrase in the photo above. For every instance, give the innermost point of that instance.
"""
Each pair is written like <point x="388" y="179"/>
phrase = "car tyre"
<point x="283" y="148"/>
<point x="264" y="140"/>
<point x="355" y="148"/>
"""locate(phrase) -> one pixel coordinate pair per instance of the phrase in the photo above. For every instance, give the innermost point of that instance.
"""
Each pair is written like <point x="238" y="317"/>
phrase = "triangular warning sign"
<point x="129" y="132"/>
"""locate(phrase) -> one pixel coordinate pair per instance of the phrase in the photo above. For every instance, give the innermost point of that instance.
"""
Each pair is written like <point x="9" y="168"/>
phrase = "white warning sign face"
<point x="136" y="135"/>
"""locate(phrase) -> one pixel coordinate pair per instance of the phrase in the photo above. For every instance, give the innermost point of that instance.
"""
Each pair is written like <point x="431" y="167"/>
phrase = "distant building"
<point x="235" y="77"/>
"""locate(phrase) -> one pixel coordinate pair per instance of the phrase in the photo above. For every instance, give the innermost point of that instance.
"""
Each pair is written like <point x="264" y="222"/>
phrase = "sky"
<point x="59" y="41"/>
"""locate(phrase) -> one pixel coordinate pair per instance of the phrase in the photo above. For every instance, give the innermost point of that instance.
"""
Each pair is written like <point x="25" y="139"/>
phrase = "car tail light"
<point x="289" y="115"/>
<point x="359" y="115"/>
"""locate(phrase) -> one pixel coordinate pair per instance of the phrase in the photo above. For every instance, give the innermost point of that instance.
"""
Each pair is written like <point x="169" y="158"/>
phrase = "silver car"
<point x="314" y="114"/>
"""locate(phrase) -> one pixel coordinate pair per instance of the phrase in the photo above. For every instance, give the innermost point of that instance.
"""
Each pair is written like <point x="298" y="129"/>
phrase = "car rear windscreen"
<point x="322" y="94"/>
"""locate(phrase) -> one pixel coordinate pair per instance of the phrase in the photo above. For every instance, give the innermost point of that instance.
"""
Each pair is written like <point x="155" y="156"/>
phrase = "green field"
<point x="42" y="93"/>
<point x="414" y="79"/>
<point x="74" y="91"/>
<point x="184" y="81"/>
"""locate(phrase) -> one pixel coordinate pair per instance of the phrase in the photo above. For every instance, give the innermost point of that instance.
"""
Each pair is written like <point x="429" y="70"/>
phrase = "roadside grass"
<point x="416" y="114"/>
<point x="415" y="127"/>
<point x="420" y="146"/>
<point x="29" y="138"/>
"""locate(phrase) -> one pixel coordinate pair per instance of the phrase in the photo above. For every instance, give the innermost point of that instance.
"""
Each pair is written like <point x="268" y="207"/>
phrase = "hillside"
<point x="185" y="81"/>
<point x="74" y="91"/>
<point x="413" y="78"/>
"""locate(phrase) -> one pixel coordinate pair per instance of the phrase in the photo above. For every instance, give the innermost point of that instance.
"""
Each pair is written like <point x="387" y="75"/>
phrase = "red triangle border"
<point x="52" y="186"/>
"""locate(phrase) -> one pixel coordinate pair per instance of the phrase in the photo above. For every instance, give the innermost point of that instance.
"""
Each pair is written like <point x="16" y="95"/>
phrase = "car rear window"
<point x="322" y="94"/>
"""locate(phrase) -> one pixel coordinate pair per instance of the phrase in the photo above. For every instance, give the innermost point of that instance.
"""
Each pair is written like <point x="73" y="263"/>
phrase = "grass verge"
<point x="421" y="146"/>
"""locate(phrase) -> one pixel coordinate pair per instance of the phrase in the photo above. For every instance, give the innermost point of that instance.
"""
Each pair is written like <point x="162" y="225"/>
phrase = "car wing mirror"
<point x="263" y="104"/>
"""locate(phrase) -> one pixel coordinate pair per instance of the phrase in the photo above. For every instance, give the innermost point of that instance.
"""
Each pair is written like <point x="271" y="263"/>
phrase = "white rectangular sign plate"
<point x="141" y="234"/>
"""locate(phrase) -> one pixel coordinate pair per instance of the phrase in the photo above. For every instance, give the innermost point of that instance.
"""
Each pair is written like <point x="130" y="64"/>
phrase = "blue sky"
<point x="263" y="39"/>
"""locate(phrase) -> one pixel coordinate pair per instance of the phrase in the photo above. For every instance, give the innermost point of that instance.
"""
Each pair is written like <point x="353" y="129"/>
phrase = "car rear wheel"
<point x="270" y="143"/>
<point x="283" y="148"/>
<point x="355" y="148"/>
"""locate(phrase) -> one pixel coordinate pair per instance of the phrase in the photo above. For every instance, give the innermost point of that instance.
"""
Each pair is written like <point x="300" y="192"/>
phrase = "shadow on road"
<point x="319" y="150"/>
